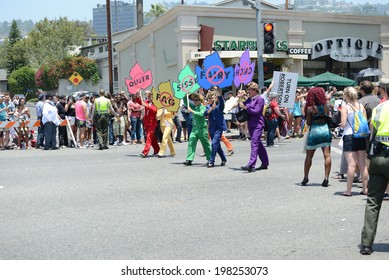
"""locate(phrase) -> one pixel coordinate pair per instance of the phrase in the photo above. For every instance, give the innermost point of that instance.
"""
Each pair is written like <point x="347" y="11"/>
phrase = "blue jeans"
<point x="136" y="126"/>
<point x="188" y="119"/>
<point x="271" y="126"/>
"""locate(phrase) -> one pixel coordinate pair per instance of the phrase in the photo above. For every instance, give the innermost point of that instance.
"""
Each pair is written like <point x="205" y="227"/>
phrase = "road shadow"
<point x="381" y="247"/>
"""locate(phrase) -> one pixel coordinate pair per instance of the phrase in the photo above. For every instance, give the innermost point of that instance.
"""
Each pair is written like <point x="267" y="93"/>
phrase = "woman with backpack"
<point x="354" y="144"/>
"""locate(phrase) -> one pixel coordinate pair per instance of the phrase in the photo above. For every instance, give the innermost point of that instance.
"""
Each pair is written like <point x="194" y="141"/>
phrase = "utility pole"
<point x="257" y="7"/>
<point x="110" y="67"/>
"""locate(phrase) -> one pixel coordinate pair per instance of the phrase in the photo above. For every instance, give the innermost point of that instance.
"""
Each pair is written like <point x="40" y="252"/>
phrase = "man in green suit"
<point x="199" y="129"/>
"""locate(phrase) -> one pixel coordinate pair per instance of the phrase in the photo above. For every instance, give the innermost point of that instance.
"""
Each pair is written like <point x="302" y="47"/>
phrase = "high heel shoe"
<point x="304" y="182"/>
<point x="325" y="183"/>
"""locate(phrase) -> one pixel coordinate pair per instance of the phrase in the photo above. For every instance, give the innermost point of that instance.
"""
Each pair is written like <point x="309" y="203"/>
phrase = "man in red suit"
<point x="149" y="124"/>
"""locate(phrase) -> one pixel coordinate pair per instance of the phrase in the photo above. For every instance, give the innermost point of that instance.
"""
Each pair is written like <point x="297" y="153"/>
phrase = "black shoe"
<point x="366" y="250"/>
<point x="55" y="148"/>
<point x="262" y="167"/>
<point x="188" y="163"/>
<point x="209" y="165"/>
<point x="101" y="148"/>
<point x="46" y="149"/>
<point x="248" y="168"/>
<point x="223" y="163"/>
<point x="304" y="182"/>
<point x="325" y="183"/>
<point x="105" y="148"/>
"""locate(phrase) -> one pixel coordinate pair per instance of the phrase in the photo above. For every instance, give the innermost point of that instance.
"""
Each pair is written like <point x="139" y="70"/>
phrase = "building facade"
<point x="122" y="17"/>
<point x="339" y="43"/>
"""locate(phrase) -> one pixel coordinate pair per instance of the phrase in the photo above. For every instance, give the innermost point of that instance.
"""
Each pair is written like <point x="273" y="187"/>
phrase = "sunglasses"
<point x="196" y="99"/>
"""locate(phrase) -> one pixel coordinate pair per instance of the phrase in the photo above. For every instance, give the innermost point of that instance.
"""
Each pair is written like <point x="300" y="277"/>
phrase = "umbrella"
<point x="301" y="81"/>
<point x="370" y="72"/>
<point x="331" y="79"/>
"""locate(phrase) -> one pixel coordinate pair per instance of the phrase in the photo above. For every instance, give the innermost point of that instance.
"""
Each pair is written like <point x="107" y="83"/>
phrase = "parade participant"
<point x="378" y="172"/>
<point x="50" y="121"/>
<point x="81" y="117"/>
<point x="100" y="114"/>
<point x="319" y="135"/>
<point x="166" y="123"/>
<point x="216" y="125"/>
<point x="199" y="128"/>
<point x="254" y="107"/>
<point x="149" y="124"/>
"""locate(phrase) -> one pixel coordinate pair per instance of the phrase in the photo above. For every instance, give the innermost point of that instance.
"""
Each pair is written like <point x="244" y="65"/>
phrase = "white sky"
<point x="82" y="9"/>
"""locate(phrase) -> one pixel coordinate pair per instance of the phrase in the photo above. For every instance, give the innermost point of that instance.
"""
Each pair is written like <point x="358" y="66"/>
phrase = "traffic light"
<point x="268" y="38"/>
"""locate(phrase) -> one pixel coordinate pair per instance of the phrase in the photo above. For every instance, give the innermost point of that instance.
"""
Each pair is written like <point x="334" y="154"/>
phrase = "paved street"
<point x="91" y="204"/>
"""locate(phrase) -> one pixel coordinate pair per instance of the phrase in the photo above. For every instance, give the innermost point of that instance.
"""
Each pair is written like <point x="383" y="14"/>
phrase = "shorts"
<point x="295" y="117"/>
<point x="233" y="118"/>
<point x="351" y="144"/>
<point x="80" y="124"/>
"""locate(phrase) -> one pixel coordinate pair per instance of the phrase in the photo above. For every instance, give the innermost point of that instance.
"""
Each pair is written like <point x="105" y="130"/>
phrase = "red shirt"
<point x="150" y="119"/>
<point x="273" y="105"/>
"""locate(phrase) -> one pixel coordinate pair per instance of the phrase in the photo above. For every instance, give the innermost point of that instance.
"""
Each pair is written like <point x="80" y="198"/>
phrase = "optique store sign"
<point x="347" y="49"/>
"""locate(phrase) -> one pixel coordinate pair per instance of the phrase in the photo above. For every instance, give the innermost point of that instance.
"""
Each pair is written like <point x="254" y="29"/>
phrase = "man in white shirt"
<point x="50" y="120"/>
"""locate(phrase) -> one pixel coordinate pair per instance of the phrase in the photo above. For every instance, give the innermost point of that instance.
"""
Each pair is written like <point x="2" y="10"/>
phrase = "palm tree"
<point x="155" y="11"/>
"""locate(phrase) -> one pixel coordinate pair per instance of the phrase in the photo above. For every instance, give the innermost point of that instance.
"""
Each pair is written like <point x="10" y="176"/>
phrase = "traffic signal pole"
<point x="257" y="6"/>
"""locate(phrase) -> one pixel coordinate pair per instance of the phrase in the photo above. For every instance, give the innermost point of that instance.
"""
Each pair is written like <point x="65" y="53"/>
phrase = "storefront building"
<point x="306" y="43"/>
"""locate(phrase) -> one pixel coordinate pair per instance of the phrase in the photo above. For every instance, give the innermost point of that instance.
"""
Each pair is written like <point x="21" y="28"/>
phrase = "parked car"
<point x="77" y="93"/>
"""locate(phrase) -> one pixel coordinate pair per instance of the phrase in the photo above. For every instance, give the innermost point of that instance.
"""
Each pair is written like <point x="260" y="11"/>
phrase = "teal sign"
<point x="282" y="46"/>
<point x="234" y="45"/>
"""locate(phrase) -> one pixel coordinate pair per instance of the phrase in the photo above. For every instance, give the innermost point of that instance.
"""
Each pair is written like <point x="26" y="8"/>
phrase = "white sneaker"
<point x="116" y="143"/>
<point x="123" y="143"/>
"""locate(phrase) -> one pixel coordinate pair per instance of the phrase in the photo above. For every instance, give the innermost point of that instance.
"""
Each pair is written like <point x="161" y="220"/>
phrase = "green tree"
<point x="156" y="10"/>
<point x="15" y="49"/>
<point x="48" y="75"/>
<point x="53" y="40"/>
<point x="22" y="81"/>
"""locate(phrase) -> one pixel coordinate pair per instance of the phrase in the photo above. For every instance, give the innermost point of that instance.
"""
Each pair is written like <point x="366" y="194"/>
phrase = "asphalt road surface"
<point x="112" y="204"/>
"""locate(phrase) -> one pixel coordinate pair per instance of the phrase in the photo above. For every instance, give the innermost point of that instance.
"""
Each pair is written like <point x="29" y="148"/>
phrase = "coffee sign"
<point x="347" y="49"/>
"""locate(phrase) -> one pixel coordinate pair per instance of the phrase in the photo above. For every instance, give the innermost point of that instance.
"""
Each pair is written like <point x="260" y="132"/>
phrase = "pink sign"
<point x="140" y="79"/>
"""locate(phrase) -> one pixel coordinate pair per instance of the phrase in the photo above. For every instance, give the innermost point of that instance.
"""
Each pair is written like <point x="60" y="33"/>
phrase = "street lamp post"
<point x="257" y="6"/>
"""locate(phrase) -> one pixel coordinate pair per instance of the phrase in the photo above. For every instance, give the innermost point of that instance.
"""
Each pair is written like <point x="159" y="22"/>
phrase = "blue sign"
<point x="214" y="73"/>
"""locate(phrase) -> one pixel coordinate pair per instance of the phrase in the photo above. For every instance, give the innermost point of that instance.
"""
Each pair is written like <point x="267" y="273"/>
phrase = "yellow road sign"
<point x="76" y="78"/>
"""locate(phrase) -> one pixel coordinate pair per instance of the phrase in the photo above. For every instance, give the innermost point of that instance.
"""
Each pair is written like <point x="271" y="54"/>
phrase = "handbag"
<point x="242" y="116"/>
<point x="305" y="141"/>
<point x="332" y="121"/>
